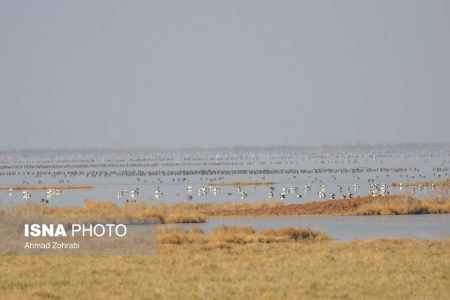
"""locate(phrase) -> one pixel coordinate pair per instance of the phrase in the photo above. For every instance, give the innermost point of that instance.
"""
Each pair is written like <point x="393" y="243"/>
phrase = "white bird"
<point x="26" y="195"/>
<point x="158" y="193"/>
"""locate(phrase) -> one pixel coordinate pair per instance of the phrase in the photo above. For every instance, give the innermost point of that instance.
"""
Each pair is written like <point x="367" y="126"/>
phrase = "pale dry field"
<point x="380" y="269"/>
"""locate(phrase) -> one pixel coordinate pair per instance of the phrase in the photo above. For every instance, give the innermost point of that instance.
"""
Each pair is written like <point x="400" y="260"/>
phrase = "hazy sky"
<point x="223" y="73"/>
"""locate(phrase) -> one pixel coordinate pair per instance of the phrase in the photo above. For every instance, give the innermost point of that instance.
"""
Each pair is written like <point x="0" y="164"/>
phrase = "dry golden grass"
<point x="379" y="269"/>
<point x="165" y="213"/>
<point x="129" y="213"/>
<point x="343" y="207"/>
<point x="442" y="183"/>
<point x="178" y="236"/>
<point x="292" y="234"/>
<point x="46" y="187"/>
<point x="198" y="212"/>
<point x="237" y="234"/>
<point x="208" y="208"/>
<point x="185" y="218"/>
<point x="93" y="204"/>
<point x="405" y="206"/>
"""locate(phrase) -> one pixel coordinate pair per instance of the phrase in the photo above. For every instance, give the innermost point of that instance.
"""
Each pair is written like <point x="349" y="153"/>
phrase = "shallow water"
<point x="110" y="171"/>
<point x="346" y="228"/>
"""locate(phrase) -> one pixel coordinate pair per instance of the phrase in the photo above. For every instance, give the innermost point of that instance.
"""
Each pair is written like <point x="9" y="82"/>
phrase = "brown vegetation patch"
<point x="328" y="207"/>
<point x="199" y="212"/>
<point x="237" y="234"/>
<point x="354" y="206"/>
<point x="135" y="213"/>
<point x="93" y="204"/>
<point x="405" y="206"/>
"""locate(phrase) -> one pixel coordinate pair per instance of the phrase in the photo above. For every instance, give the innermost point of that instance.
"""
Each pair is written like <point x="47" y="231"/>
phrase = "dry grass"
<point x="338" y="207"/>
<point x="92" y="204"/>
<point x="185" y="218"/>
<point x="380" y="269"/>
<point x="209" y="208"/>
<point x="292" y="234"/>
<point x="178" y="236"/>
<point x="173" y="213"/>
<point x="405" y="206"/>
<point x="198" y="212"/>
<point x="129" y="213"/>
<point x="232" y="235"/>
<point x="241" y="183"/>
<point x="46" y="187"/>
<point x="224" y="235"/>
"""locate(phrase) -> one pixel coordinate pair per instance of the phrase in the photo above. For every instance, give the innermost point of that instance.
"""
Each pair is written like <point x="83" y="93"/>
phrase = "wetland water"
<point x="346" y="228"/>
<point x="341" y="170"/>
<point x="179" y="174"/>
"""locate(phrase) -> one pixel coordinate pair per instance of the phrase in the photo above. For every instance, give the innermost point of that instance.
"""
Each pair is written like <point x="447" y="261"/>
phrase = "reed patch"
<point x="405" y="206"/>
<point x="238" y="234"/>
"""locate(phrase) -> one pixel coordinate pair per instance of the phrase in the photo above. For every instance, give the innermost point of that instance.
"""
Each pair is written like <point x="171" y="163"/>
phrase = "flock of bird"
<point x="131" y="195"/>
<point x="49" y="194"/>
<point x="374" y="189"/>
<point x="349" y="192"/>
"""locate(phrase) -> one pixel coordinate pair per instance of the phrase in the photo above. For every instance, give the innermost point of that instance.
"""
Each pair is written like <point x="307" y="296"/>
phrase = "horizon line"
<point x="234" y="147"/>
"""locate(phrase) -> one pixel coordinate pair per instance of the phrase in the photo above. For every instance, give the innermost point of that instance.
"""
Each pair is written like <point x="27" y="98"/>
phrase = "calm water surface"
<point x="346" y="228"/>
